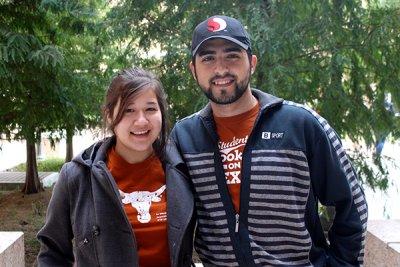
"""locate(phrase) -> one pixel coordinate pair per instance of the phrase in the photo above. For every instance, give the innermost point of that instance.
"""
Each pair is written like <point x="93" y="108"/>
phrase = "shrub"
<point x="46" y="165"/>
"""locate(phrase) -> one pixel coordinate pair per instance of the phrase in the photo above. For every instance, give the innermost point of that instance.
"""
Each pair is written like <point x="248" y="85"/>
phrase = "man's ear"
<point x="192" y="69"/>
<point x="253" y="63"/>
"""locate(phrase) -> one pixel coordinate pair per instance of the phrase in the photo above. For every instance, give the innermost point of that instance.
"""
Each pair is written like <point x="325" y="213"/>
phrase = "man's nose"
<point x="221" y="68"/>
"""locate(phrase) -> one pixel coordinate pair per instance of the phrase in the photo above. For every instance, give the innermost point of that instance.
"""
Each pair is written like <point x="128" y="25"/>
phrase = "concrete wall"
<point x="12" y="252"/>
<point x="382" y="247"/>
<point x="382" y="244"/>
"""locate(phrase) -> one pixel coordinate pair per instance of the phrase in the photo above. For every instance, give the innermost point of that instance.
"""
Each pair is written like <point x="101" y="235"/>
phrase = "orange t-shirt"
<point x="143" y="191"/>
<point x="233" y="133"/>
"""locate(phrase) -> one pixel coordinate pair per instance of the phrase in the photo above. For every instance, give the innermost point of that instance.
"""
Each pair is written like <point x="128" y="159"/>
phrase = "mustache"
<point x="229" y="75"/>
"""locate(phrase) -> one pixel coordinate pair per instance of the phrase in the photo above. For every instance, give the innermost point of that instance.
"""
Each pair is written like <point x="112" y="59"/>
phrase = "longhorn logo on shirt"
<point x="141" y="201"/>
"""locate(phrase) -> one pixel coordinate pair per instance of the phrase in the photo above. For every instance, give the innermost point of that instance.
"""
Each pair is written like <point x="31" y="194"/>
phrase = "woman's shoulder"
<point x="73" y="173"/>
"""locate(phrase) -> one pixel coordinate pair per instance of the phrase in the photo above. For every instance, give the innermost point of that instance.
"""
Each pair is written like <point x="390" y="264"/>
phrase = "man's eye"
<point x="233" y="56"/>
<point x="207" y="58"/>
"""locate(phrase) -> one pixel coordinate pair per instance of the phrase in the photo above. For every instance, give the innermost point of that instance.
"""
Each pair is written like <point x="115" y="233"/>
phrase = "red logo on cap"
<point x="216" y="24"/>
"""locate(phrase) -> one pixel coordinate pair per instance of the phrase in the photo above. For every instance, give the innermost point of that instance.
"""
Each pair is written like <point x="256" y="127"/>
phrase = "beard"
<point x="225" y="98"/>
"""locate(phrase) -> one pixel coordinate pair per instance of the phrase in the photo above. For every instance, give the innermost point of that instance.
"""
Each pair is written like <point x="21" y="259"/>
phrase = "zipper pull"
<point x="237" y="223"/>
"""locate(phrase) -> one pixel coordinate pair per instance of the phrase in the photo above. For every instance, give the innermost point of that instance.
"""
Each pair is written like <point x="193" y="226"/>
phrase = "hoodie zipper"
<point x="208" y="122"/>
<point x="85" y="241"/>
<point x="230" y="210"/>
<point x="237" y="223"/>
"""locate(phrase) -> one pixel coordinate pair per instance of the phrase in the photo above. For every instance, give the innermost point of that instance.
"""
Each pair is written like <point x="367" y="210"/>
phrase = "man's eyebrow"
<point x="226" y="50"/>
<point x="232" y="49"/>
<point x="206" y="52"/>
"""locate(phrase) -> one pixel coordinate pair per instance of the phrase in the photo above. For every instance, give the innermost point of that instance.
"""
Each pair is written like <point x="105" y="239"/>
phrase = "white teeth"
<point x="142" y="132"/>
<point x="222" y="82"/>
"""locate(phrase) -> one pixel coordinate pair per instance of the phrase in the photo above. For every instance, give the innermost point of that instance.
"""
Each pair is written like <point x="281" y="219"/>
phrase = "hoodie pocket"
<point x="85" y="249"/>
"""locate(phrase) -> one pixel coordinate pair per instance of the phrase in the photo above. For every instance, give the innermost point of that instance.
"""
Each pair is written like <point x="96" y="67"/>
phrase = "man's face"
<point x="222" y="70"/>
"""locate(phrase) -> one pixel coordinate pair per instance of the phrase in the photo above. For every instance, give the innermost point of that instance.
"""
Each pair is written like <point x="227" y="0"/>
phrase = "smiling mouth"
<point x="140" y="133"/>
<point x="222" y="81"/>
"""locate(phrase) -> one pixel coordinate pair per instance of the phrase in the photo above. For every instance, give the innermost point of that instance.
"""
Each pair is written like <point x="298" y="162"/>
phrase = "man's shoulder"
<point x="304" y="115"/>
<point x="188" y="121"/>
<point x="189" y="118"/>
<point x="300" y="110"/>
<point x="301" y="115"/>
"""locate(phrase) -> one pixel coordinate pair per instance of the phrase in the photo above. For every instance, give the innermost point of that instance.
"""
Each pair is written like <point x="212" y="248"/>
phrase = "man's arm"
<point x="181" y="215"/>
<point x="335" y="184"/>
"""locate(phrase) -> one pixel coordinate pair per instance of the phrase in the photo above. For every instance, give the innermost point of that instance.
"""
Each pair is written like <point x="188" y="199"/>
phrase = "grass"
<point x="25" y="213"/>
<point x="46" y="165"/>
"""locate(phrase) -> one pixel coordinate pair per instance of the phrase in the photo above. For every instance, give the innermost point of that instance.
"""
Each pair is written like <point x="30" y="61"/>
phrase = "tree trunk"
<point x="39" y="147"/>
<point x="69" y="149"/>
<point x="32" y="182"/>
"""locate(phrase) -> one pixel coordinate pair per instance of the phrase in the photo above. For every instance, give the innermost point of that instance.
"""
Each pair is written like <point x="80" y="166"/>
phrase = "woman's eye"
<point x="151" y="109"/>
<point x="129" y="110"/>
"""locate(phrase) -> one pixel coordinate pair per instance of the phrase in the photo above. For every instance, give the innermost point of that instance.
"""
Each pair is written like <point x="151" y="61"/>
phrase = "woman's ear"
<point x="109" y="118"/>
<point x="111" y="114"/>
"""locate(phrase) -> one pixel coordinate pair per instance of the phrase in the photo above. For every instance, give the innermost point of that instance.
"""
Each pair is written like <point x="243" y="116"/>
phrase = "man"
<point x="258" y="165"/>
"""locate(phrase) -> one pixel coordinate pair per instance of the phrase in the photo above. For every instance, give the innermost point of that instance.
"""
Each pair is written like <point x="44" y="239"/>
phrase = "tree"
<point x="339" y="57"/>
<point x="77" y="31"/>
<point x="30" y="96"/>
<point x="44" y="87"/>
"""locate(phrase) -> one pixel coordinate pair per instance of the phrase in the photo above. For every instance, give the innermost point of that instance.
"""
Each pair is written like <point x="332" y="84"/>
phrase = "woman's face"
<point x="139" y="127"/>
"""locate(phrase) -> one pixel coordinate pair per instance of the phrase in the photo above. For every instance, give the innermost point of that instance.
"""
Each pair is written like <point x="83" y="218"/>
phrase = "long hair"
<point x="124" y="87"/>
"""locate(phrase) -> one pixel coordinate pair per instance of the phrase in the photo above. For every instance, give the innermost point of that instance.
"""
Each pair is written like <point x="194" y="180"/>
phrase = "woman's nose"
<point x="141" y="118"/>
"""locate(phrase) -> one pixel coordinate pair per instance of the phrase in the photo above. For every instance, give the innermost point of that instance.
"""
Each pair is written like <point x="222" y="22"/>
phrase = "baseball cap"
<point x="220" y="27"/>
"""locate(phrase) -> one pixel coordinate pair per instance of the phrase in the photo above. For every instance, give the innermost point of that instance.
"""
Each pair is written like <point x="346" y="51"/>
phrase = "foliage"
<point x="28" y="63"/>
<point x="49" y="70"/>
<point x="81" y="79"/>
<point x="46" y="165"/>
<point x="341" y="59"/>
<point x="49" y="67"/>
<point x="338" y="56"/>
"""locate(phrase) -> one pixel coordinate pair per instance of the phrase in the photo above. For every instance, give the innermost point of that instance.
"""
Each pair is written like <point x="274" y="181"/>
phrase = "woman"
<point x="109" y="205"/>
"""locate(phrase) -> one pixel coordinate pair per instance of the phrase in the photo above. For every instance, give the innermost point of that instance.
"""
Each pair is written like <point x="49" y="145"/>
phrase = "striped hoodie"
<point x="293" y="160"/>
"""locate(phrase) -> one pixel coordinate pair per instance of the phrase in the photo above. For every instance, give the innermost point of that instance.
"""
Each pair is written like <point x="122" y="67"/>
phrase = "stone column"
<point x="382" y="246"/>
<point x="12" y="252"/>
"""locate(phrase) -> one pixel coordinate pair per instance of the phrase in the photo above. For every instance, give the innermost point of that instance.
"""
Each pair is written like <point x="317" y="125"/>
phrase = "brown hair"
<point x="125" y="86"/>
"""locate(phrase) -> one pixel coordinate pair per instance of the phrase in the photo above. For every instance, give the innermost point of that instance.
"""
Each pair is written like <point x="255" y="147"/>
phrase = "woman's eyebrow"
<point x="149" y="102"/>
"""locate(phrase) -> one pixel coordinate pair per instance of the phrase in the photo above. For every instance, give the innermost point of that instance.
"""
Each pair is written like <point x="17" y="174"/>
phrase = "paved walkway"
<point x="18" y="177"/>
<point x="11" y="180"/>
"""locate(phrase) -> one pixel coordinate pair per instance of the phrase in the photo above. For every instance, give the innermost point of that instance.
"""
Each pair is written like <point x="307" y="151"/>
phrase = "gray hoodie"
<point x="86" y="224"/>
